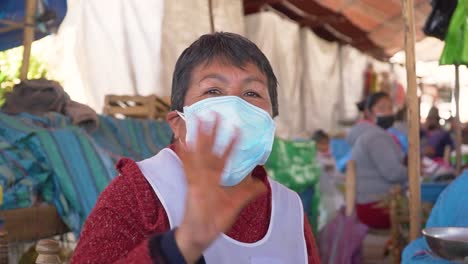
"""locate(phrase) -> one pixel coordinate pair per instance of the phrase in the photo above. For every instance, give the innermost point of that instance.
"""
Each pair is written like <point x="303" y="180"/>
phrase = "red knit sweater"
<point x="128" y="213"/>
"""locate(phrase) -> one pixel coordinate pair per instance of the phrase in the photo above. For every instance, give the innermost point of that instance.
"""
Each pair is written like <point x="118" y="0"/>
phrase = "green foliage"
<point x="10" y="65"/>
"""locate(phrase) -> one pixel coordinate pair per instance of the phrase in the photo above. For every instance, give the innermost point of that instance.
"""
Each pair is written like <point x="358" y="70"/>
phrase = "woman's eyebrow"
<point x="215" y="76"/>
<point x="253" y="79"/>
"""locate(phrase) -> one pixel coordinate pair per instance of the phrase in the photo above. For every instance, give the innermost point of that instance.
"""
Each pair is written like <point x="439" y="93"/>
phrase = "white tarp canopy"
<point x="130" y="47"/>
<point x="319" y="82"/>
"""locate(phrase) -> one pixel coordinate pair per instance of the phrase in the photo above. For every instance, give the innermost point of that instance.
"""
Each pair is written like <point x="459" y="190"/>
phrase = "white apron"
<point x="283" y="243"/>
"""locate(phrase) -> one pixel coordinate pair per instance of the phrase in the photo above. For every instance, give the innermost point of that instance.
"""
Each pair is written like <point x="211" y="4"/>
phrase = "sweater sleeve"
<point x="384" y="156"/>
<point x="127" y="219"/>
<point x="312" y="251"/>
<point x="107" y="238"/>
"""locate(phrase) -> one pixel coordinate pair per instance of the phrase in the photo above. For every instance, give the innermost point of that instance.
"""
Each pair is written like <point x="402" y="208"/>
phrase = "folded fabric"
<point x="35" y="97"/>
<point x="81" y="115"/>
<point x="41" y="96"/>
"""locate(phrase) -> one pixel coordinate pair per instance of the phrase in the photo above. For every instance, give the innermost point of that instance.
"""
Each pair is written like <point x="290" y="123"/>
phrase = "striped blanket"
<point x="49" y="158"/>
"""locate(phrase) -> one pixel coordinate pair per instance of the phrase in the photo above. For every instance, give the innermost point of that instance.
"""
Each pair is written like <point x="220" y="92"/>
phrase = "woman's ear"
<point x="174" y="121"/>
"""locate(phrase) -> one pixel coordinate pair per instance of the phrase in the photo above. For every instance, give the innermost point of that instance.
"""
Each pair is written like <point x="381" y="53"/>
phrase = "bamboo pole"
<point x="413" y="114"/>
<point x="28" y="36"/>
<point x="458" y="132"/>
<point x="210" y="6"/>
<point x="350" y="187"/>
<point x="447" y="154"/>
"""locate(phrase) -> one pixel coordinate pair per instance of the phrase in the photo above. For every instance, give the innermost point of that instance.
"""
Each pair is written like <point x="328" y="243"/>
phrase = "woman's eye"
<point x="252" y="94"/>
<point x="213" y="91"/>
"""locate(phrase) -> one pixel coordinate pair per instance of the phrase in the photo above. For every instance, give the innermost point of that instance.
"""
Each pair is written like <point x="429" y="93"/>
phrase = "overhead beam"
<point x="394" y="18"/>
<point x="11" y="23"/>
<point x="8" y="28"/>
<point x="251" y="6"/>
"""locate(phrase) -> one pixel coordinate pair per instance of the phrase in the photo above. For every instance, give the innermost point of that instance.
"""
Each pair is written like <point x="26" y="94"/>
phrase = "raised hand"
<point x="210" y="208"/>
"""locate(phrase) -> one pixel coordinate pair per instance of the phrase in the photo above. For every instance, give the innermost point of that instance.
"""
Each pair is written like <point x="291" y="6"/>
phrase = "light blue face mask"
<point x="256" y="127"/>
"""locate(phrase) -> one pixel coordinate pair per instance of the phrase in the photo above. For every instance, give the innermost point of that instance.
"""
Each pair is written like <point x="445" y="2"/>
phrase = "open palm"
<point x="210" y="208"/>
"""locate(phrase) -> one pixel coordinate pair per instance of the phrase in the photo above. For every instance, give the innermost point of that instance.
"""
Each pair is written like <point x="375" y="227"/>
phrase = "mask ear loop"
<point x="181" y="115"/>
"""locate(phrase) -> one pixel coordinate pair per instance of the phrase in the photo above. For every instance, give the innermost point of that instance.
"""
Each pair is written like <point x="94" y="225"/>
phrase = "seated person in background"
<point x="399" y="130"/>
<point x="379" y="160"/>
<point x="206" y="197"/>
<point x="450" y="210"/>
<point x="434" y="137"/>
<point x="331" y="200"/>
<point x="401" y="122"/>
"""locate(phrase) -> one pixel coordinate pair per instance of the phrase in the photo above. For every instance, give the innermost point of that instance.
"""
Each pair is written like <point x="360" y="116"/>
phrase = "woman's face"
<point x="383" y="107"/>
<point x="220" y="79"/>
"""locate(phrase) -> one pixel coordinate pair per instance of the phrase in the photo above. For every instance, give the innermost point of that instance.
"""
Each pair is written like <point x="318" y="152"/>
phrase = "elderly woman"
<point x="206" y="198"/>
<point x="379" y="160"/>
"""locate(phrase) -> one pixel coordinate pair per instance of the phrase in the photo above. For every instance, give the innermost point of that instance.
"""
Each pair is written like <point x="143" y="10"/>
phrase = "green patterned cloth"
<point x="293" y="164"/>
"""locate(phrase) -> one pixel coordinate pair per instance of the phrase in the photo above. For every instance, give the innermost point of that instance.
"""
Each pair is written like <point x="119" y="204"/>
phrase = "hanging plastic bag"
<point x="438" y="21"/>
<point x="456" y="42"/>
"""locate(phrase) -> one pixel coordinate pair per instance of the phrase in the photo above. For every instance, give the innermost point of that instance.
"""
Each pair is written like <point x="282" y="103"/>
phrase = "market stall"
<point x="312" y="24"/>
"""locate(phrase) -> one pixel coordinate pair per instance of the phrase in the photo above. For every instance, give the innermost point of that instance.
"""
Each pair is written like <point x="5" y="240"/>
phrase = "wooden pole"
<point x="413" y="114"/>
<point x="458" y="131"/>
<point x="28" y="36"/>
<point x="210" y="6"/>
<point x="447" y="154"/>
<point x="350" y="187"/>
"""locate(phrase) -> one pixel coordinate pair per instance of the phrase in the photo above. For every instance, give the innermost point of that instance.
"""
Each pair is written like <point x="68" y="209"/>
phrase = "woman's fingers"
<point x="207" y="133"/>
<point x="230" y="148"/>
<point x="202" y="138"/>
<point x="214" y="131"/>
<point x="204" y="159"/>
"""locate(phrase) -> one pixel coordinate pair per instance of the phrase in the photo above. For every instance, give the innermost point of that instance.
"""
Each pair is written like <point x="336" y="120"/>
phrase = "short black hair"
<point x="361" y="106"/>
<point x="374" y="98"/>
<point x="320" y="136"/>
<point x="230" y="48"/>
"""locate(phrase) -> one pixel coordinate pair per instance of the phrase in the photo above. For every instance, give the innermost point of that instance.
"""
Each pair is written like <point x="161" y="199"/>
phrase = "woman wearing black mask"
<point x="379" y="159"/>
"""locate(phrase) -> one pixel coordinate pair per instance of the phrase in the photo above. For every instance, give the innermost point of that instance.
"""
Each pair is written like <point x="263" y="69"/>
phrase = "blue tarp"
<point x="341" y="151"/>
<point x="14" y="10"/>
<point x="450" y="210"/>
